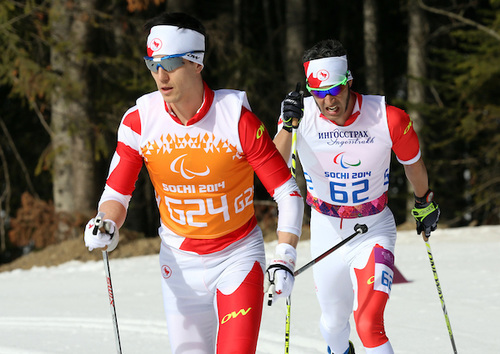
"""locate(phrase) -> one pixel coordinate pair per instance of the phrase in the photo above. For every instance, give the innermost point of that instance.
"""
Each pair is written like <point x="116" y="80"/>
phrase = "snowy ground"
<point x="64" y="309"/>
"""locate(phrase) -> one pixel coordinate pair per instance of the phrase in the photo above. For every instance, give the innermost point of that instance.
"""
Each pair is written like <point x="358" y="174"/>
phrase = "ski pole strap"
<point x="348" y="211"/>
<point x="279" y="266"/>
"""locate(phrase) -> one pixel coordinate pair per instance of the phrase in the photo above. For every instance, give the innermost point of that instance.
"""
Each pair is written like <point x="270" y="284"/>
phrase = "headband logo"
<point x="155" y="44"/>
<point x="323" y="75"/>
<point x="193" y="56"/>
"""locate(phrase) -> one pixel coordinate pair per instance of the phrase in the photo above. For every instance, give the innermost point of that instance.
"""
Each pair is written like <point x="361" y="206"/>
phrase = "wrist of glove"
<point x="104" y="236"/>
<point x="279" y="273"/>
<point x="426" y="213"/>
<point x="292" y="108"/>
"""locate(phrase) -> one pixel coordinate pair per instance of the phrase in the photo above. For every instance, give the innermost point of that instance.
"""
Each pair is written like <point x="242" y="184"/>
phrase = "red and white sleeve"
<point x="126" y="162"/>
<point x="405" y="142"/>
<point x="272" y="171"/>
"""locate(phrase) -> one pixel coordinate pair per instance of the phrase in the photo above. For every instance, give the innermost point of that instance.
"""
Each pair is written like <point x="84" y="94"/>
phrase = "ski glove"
<point x="292" y="107"/>
<point x="101" y="234"/>
<point x="279" y="273"/>
<point x="426" y="213"/>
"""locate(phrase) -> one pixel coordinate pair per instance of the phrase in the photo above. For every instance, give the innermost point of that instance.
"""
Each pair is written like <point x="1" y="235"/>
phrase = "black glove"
<point x="293" y="107"/>
<point x="426" y="213"/>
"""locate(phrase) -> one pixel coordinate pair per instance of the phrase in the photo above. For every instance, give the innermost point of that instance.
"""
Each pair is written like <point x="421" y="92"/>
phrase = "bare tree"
<point x="295" y="38"/>
<point x="373" y="66"/>
<point x="417" y="68"/>
<point x="295" y="30"/>
<point x="73" y="174"/>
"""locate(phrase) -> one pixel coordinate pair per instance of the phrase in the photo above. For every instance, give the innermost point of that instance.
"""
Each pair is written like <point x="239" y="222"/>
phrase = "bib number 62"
<point x="339" y="192"/>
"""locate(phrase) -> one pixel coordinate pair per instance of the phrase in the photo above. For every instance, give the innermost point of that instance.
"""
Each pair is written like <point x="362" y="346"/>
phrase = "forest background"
<point x="70" y="69"/>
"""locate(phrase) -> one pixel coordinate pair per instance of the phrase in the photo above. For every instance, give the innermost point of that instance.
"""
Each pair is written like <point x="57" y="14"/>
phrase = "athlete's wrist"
<point x="426" y="198"/>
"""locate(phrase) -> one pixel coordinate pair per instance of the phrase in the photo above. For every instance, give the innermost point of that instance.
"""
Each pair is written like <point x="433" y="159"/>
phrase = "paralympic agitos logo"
<point x="187" y="174"/>
<point x="342" y="161"/>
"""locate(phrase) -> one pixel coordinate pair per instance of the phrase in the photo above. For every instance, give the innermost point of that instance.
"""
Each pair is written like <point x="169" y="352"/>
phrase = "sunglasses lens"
<point x="168" y="64"/>
<point x="319" y="94"/>
<point x="152" y="66"/>
<point x="334" y="91"/>
<point x="171" y="64"/>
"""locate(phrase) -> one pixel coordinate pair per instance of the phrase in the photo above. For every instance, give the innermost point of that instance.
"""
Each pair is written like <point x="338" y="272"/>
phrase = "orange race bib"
<point x="204" y="186"/>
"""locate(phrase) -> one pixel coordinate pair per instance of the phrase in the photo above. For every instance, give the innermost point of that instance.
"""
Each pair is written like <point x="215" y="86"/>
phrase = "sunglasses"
<point x="167" y="63"/>
<point x="333" y="90"/>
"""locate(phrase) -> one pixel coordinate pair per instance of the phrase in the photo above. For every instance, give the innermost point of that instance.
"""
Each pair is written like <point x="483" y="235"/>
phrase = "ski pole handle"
<point x="98" y="222"/>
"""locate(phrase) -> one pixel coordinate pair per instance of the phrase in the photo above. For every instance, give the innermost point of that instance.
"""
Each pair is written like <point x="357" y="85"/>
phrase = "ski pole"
<point x="98" y="224"/>
<point x="358" y="228"/>
<point x="295" y="125"/>
<point x="440" y="292"/>
<point x="287" y="324"/>
<point x="289" y="297"/>
<point x="294" y="147"/>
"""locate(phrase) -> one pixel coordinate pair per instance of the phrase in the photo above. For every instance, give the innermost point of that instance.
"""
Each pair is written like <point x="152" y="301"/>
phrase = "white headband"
<point x="170" y="40"/>
<point x="326" y="71"/>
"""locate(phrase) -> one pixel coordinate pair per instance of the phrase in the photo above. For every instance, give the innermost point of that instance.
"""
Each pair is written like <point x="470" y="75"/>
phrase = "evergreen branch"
<point x="457" y="17"/>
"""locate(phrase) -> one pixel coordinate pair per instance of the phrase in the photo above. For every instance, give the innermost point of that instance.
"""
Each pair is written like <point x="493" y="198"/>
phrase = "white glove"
<point x="101" y="234"/>
<point x="280" y="279"/>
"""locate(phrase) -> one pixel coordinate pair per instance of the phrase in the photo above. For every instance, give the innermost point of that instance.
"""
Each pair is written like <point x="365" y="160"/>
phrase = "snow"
<point x="64" y="309"/>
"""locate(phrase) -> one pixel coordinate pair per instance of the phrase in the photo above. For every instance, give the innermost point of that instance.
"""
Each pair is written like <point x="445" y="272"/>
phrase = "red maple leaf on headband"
<point x="313" y="81"/>
<point x="321" y="76"/>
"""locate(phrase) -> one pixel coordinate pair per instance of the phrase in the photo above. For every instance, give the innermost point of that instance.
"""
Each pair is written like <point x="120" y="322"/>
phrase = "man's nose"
<point x="329" y="99"/>
<point x="162" y="74"/>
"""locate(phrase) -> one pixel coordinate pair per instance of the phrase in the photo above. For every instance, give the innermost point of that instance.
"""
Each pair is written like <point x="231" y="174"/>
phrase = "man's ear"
<point x="199" y="67"/>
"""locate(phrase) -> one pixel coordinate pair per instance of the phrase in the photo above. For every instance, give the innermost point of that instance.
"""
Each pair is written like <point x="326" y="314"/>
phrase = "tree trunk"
<point x="417" y="72"/>
<point x="417" y="69"/>
<point x="237" y="36"/>
<point x="373" y="66"/>
<point x="294" y="72"/>
<point x="295" y="30"/>
<point x="73" y="175"/>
